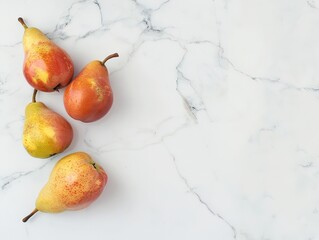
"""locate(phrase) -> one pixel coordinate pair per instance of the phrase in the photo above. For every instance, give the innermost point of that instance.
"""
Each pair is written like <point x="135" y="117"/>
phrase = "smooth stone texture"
<point x="213" y="131"/>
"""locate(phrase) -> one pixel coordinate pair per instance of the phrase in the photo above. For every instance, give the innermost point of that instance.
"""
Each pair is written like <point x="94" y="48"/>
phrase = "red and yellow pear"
<point x="89" y="96"/>
<point x="45" y="132"/>
<point x="75" y="182"/>
<point x="47" y="67"/>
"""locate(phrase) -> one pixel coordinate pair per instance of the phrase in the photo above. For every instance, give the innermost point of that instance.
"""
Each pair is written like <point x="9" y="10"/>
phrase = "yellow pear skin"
<point x="75" y="182"/>
<point x="45" y="132"/>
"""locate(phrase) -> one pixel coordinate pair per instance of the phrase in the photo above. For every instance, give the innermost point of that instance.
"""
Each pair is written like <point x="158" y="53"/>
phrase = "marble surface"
<point x="214" y="129"/>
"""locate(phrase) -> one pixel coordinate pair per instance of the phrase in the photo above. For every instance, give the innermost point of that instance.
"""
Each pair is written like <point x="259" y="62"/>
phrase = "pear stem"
<point x="20" y="19"/>
<point x="30" y="215"/>
<point x="109" y="57"/>
<point x="34" y="94"/>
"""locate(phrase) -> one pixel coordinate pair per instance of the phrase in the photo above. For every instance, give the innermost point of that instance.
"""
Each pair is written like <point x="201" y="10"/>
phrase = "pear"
<point x="45" y="133"/>
<point x="89" y="96"/>
<point x="46" y="67"/>
<point x="75" y="182"/>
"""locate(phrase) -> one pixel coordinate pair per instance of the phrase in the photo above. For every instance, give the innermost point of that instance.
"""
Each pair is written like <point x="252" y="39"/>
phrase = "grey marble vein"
<point x="123" y="141"/>
<point x="97" y="3"/>
<point x="67" y="19"/>
<point x="147" y="15"/>
<point x="199" y="198"/>
<point x="192" y="100"/>
<point x="8" y="180"/>
<point x="312" y="4"/>
<point x="307" y="165"/>
<point x="277" y="81"/>
<point x="12" y="177"/>
<point x="63" y="22"/>
<point x="13" y="45"/>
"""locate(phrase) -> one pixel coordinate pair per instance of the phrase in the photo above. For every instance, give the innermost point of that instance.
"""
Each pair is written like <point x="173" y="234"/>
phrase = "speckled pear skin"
<point x="89" y="96"/>
<point x="75" y="182"/>
<point x="45" y="132"/>
<point x="47" y="67"/>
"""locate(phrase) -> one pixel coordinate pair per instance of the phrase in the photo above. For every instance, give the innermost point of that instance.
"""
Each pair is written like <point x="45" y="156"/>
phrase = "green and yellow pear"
<point x="75" y="182"/>
<point x="45" y="132"/>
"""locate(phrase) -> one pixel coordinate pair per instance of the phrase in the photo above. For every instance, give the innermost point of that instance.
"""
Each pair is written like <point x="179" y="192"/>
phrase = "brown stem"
<point x="30" y="215"/>
<point x="20" y="19"/>
<point x="109" y="57"/>
<point x="34" y="94"/>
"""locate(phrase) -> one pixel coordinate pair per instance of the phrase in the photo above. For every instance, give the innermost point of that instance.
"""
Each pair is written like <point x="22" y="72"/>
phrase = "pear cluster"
<point x="76" y="180"/>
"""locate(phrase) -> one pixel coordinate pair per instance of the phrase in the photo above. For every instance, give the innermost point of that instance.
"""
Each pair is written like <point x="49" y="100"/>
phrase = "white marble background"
<point x="214" y="129"/>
